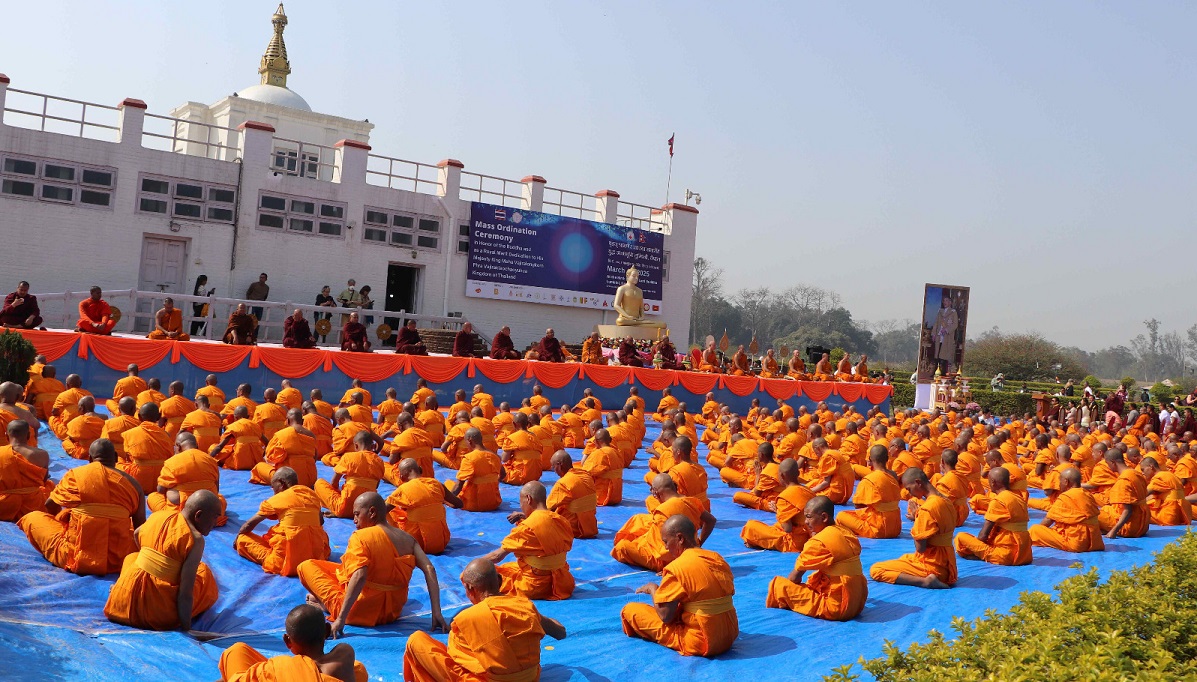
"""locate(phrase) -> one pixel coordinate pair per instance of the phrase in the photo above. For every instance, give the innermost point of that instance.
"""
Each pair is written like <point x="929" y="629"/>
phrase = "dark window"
<point x="430" y="225"/>
<point x="401" y="239"/>
<point x="56" y="193"/>
<point x="224" y="196"/>
<point x="221" y="214"/>
<point x="59" y="172"/>
<point x="376" y="217"/>
<point x="404" y="221"/>
<point x="302" y="207"/>
<point x="372" y="235"/>
<point x="155" y="186"/>
<point x="426" y="242"/>
<point x="268" y="220"/>
<point x="21" y="189"/>
<point x="188" y="210"/>
<point x="153" y="205"/>
<point x="87" y="196"/>
<point x="20" y="166"/>
<point x="274" y="203"/>
<point x="95" y="177"/>
<point x="463" y="247"/>
<point x="333" y="229"/>
<point x="463" y="230"/>
<point x="299" y="225"/>
<point x="189" y="191"/>
<point x="332" y="211"/>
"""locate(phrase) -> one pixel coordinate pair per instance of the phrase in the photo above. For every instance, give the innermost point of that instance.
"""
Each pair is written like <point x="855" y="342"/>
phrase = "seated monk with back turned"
<point x="638" y="542"/>
<point x="933" y="563"/>
<point x="304" y="638"/>
<point x="417" y="506"/>
<point x="573" y="496"/>
<point x="876" y="513"/>
<point x="299" y="534"/>
<point x="478" y="475"/>
<point x="1003" y="539"/>
<point x="789" y="533"/>
<point x="188" y="471"/>
<point x="540" y="540"/>
<point x="24" y="474"/>
<point x="1071" y="524"/>
<point x="168" y="323"/>
<point x="242" y="328"/>
<point x="837" y="590"/>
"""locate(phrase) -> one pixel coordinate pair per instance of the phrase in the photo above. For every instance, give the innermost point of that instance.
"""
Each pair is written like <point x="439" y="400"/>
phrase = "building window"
<point x="401" y="229"/>
<point x="186" y="199"/>
<point x="463" y="238"/>
<point x="287" y="161"/>
<point x="301" y="216"/>
<point x="665" y="266"/>
<point x="59" y="182"/>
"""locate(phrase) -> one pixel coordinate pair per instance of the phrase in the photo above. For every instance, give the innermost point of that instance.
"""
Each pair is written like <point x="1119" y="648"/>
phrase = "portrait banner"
<point x="944" y="321"/>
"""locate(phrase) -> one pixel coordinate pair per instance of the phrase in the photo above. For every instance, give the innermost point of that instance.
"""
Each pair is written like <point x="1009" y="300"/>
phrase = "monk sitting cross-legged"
<point x="540" y="540"/>
<point x="498" y="638"/>
<point x="638" y="543"/>
<point x="1165" y="495"/>
<point x="241" y="446"/>
<point x="521" y="453"/>
<point x="292" y="446"/>
<point x="933" y="563"/>
<point x="1071" y="523"/>
<point x="342" y="436"/>
<point x="1003" y="539"/>
<point x="410" y="442"/>
<point x="24" y="479"/>
<point x="573" y="496"/>
<point x="876" y="513"/>
<point x="299" y="534"/>
<point x="164" y="585"/>
<point x="242" y="328"/>
<point x="129" y="386"/>
<point x="418" y="507"/>
<point x="767" y="483"/>
<point x="64" y="409"/>
<point x="306" y="631"/>
<point x="269" y="415"/>
<point x="369" y="586"/>
<point x="83" y="430"/>
<point x="147" y="447"/>
<point x="837" y="589"/>
<point x="168" y="323"/>
<point x="606" y="468"/>
<point x="361" y="470"/>
<point x="95" y="315"/>
<point x="188" y="471"/>
<point x="789" y="533"/>
<point x="354" y="336"/>
<point x="41" y="391"/>
<point x="478" y="475"/>
<point x="174" y="410"/>
<point x="692" y="611"/>
<point x="1125" y="512"/>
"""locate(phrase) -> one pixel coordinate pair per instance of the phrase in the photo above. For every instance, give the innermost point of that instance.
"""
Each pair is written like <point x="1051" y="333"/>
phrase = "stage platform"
<point x="101" y="360"/>
<point x="52" y="625"/>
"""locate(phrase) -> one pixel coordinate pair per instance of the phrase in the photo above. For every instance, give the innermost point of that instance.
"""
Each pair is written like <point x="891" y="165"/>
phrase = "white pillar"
<point x="450" y="178"/>
<point x="533" y="199"/>
<point x="606" y="209"/>
<point x="351" y="161"/>
<point x="132" y="121"/>
<point x="257" y="143"/>
<point x="4" y="81"/>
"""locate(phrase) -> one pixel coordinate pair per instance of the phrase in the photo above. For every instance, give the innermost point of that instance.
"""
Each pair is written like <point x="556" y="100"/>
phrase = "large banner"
<point x="544" y="258"/>
<point x="941" y="344"/>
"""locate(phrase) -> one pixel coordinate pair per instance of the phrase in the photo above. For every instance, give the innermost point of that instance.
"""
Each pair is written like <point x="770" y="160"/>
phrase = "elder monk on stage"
<point x="20" y="309"/>
<point x="168" y="323"/>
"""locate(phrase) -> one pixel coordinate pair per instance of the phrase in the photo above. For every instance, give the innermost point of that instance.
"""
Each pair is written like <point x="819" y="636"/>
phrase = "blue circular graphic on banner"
<point x="576" y="252"/>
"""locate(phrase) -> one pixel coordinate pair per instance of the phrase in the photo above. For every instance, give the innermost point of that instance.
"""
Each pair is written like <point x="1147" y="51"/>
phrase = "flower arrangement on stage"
<point x="642" y="345"/>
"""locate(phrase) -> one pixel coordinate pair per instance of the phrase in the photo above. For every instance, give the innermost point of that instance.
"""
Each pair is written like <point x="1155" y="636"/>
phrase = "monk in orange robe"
<point x="410" y="442"/>
<point x="521" y="453"/>
<point x="289" y="396"/>
<point x="292" y="446"/>
<point x="1072" y="522"/>
<point x="540" y="540"/>
<point x="320" y="427"/>
<point x="342" y="436"/>
<point x="797" y="368"/>
<point x="1165" y="496"/>
<point x="269" y="416"/>
<point x="837" y="590"/>
<point x="356" y="387"/>
<point x="168" y="323"/>
<point x="667" y="404"/>
<point x="876" y="513"/>
<point x="418" y="507"/>
<point x="151" y="394"/>
<point x="24" y="479"/>
<point x="188" y="471"/>
<point x="833" y="475"/>
<point x="129" y="386"/>
<point x="83" y="430"/>
<point x="860" y="372"/>
<point x="299" y="534"/>
<point x="481" y="399"/>
<point x="605" y="466"/>
<point x="691" y="478"/>
<point x="1003" y="539"/>
<point x="692" y="611"/>
<point x="1125" y="513"/>
<point x="88" y="526"/>
<point x="361" y="470"/>
<point x="369" y="586"/>
<point x="64" y="409"/>
<point x="95" y="316"/>
<point x="638" y="542"/>
<point x="212" y="392"/>
<point x="592" y="350"/>
<point x="770" y="369"/>
<point x="1018" y="481"/>
<point x="765" y="480"/>
<point x="573" y="429"/>
<point x="306" y="631"/>
<point x="573" y="496"/>
<point x="41" y="392"/>
<point x="933" y="563"/>
<point x="175" y="409"/>
<point x="823" y="370"/>
<point x="241" y="446"/>
<point x="147" y="447"/>
<point x="710" y="360"/>
<point x="115" y="428"/>
<point x="432" y="421"/>
<point x="740" y="364"/>
<point x="498" y="638"/>
<point x="203" y="423"/>
<point x="242" y="399"/>
<point x="478" y="476"/>
<point x="164" y="585"/>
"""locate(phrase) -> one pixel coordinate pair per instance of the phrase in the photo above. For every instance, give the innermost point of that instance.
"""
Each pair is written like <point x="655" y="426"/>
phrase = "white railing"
<point x="61" y="310"/>
<point x="305" y="160"/>
<point x="413" y="176"/>
<point x="190" y="137"/>
<point x="568" y="203"/>
<point x="61" y="115"/>
<point x="491" y="189"/>
<point x="643" y="217"/>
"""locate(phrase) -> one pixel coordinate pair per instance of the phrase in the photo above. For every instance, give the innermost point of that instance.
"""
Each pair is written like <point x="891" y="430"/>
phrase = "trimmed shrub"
<point x="1093" y="381"/>
<point x="16" y="355"/>
<point x="1138" y="625"/>
<point x="1127" y="382"/>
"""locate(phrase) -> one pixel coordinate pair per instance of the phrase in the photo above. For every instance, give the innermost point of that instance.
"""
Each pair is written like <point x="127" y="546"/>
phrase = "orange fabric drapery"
<point x="817" y="390"/>
<point x="117" y="352"/>
<point x="501" y="371"/>
<point x="877" y="393"/>
<point x="781" y="389"/>
<point x="293" y="363"/>
<point x="211" y="357"/>
<point x="53" y="345"/>
<point x="739" y="385"/>
<point x="553" y="374"/>
<point x="607" y="377"/>
<point x="654" y="379"/>
<point x="698" y="384"/>
<point x="438" y="369"/>
<point x="372" y="366"/>
<point x="849" y="392"/>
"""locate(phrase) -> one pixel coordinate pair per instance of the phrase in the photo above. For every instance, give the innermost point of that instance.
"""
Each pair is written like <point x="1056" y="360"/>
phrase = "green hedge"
<point x="16" y="355"/>
<point x="1138" y="625"/>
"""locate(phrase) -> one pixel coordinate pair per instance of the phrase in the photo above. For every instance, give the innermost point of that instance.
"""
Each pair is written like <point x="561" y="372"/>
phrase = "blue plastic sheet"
<point x="52" y="624"/>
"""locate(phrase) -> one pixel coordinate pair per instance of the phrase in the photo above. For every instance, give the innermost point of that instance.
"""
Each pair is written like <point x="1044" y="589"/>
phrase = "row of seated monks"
<point x="740" y="364"/>
<point x="163" y="453"/>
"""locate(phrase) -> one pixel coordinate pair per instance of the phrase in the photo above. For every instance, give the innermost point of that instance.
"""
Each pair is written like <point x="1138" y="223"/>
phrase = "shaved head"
<point x="102" y="450"/>
<point x="679" y="525"/>
<point x="306" y="625"/>
<point x="480" y="574"/>
<point x="285" y="476"/>
<point x="535" y="491"/>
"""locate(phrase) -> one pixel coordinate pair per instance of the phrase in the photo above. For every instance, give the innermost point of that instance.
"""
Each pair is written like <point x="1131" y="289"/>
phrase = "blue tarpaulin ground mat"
<point x="52" y="625"/>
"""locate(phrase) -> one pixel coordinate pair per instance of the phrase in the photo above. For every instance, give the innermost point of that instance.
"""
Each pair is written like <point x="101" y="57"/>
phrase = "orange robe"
<point x="172" y="323"/>
<point x="126" y="387"/>
<point x="449" y="456"/>
<point x="592" y="352"/>
<point x="843" y="478"/>
<point x="347" y="399"/>
<point x="574" y="498"/>
<point x="955" y="488"/>
<point x="524" y="465"/>
<point x="414" y="443"/>
<point x="82" y="431"/>
<point x="1009" y="542"/>
<point x="150" y="396"/>
<point x="387" y="576"/>
<point x="67" y="406"/>
<point x="666" y="404"/>
<point x="879" y="517"/>
<point x="321" y="428"/>
<point x="205" y="426"/>
<point x="765" y="490"/>
<point x="147" y="447"/>
<point x="23" y="485"/>
<point x="573" y="430"/>
<point x="288" y="448"/>
<point x="290" y="398"/>
<point x="496" y="639"/>
<point x="175" y="410"/>
<point x="935" y="523"/>
<point x="185" y="473"/>
<point x="147" y="592"/>
<point x="360" y="472"/>
<point x="1166" y="501"/>
<point x="736" y="464"/>
<point x="485" y="401"/>
<point x="43" y="392"/>
<point x="837" y="589"/>
<point x="233" y="404"/>
<point x="215" y="397"/>
<point x="245" y="451"/>
<point x="702" y="582"/>
<point x="361" y="414"/>
<point x="639" y="543"/>
<point x="540" y="570"/>
<point x="1129" y="488"/>
<point x="270" y="417"/>
<point x="420" y="395"/>
<point x="790" y="504"/>
<point x="115" y="428"/>
<point x="297" y="537"/>
<point x="479" y="474"/>
<point x="419" y="509"/>
<point x="242" y="663"/>
<point x="342" y="441"/>
<point x="605" y="467"/>
<point x="1076" y="528"/>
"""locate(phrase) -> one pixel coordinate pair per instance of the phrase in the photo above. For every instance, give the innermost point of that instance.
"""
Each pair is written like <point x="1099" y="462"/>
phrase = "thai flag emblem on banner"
<point x="500" y="214"/>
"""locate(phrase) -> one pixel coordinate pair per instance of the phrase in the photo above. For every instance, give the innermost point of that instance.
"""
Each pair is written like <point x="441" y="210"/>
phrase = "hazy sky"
<point x="1040" y="153"/>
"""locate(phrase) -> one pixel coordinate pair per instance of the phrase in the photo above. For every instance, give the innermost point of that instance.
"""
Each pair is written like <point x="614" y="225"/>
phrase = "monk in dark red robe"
<point x="463" y="343"/>
<point x="354" y="336"/>
<point x="409" y="341"/>
<point x="668" y="353"/>
<point x="502" y="348"/>
<point x="297" y="333"/>
<point x="628" y="355"/>
<point x="240" y="331"/>
<point x="21" y="309"/>
<point x="549" y="349"/>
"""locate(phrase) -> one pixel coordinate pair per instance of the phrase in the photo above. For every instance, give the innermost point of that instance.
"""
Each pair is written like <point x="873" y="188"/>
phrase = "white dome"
<point x="273" y="94"/>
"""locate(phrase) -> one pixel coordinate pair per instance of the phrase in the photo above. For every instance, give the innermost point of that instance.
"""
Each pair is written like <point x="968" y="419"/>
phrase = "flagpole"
<point x="669" y="180"/>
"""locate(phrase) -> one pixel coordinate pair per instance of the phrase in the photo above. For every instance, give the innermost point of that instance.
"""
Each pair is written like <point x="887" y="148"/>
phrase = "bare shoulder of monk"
<point x="338" y="663"/>
<point x="404" y="543"/>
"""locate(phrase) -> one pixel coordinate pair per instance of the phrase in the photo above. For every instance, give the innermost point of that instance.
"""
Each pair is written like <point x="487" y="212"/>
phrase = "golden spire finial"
<point x="275" y="67"/>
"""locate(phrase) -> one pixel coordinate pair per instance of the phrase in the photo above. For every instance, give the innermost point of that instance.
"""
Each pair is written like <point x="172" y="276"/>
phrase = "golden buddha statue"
<point x="629" y="303"/>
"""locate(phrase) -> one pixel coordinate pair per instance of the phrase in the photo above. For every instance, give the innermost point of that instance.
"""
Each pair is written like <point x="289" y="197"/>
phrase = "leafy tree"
<point x="1020" y="357"/>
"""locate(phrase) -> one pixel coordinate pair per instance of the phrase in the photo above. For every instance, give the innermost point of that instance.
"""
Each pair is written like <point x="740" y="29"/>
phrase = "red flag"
<point x="671" y="144"/>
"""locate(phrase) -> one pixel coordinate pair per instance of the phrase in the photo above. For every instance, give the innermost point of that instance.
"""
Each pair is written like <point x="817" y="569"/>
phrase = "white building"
<point x="258" y="182"/>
